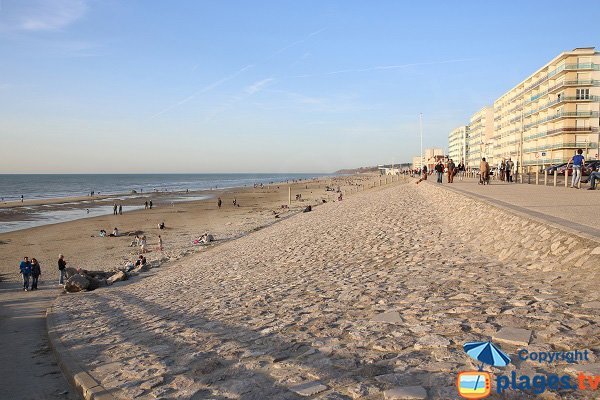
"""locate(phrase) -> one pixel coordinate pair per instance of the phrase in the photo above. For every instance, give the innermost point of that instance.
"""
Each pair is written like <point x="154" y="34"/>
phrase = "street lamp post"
<point x="421" y="134"/>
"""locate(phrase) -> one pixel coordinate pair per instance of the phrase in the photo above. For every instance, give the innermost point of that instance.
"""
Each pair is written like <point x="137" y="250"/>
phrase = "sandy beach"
<point x="185" y="221"/>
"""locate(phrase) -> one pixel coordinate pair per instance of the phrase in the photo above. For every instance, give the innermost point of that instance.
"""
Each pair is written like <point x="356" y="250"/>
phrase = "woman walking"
<point x="36" y="271"/>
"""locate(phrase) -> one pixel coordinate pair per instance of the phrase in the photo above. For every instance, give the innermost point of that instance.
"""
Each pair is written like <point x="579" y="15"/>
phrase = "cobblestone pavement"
<point x="352" y="300"/>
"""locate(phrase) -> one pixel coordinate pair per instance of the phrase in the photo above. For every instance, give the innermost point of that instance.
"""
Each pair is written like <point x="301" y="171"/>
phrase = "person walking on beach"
<point x="160" y="243"/>
<point x="120" y="209"/>
<point x="439" y="170"/>
<point x="150" y="204"/>
<point x="451" y="168"/>
<point x="62" y="266"/>
<point x="234" y="201"/>
<point x="578" y="163"/>
<point x="25" y="270"/>
<point x="219" y="202"/>
<point x="115" y="209"/>
<point x="21" y="198"/>
<point x="36" y="271"/>
<point x="146" y="205"/>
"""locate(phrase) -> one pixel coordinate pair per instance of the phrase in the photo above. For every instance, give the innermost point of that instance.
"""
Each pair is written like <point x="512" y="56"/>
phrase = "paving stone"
<point x="514" y="336"/>
<point x="309" y="388"/>
<point x="391" y="317"/>
<point x="405" y="392"/>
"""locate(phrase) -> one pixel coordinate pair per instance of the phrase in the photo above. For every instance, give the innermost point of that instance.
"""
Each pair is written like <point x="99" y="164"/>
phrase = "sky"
<point x="259" y="86"/>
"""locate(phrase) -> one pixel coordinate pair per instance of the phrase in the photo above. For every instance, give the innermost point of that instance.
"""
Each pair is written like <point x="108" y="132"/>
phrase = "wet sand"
<point x="79" y="240"/>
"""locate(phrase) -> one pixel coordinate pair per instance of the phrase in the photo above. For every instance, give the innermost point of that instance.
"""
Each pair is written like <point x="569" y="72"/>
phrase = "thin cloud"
<point x="43" y="15"/>
<point x="382" y="68"/>
<point x="205" y="89"/>
<point x="258" y="86"/>
<point x="296" y="43"/>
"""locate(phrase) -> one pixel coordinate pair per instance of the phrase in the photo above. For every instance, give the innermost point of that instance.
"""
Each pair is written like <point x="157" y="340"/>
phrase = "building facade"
<point x="553" y="112"/>
<point x="479" y="140"/>
<point x="457" y="144"/>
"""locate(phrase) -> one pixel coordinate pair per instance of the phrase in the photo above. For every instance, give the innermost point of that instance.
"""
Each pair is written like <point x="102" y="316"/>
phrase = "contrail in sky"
<point x="383" y="67"/>
<point x="203" y="90"/>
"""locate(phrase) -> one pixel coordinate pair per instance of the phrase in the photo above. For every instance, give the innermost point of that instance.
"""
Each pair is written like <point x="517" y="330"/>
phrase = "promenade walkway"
<point x="28" y="367"/>
<point x="575" y="210"/>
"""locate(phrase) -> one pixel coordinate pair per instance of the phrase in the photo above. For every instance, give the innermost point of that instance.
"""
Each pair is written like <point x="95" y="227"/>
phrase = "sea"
<point x="116" y="186"/>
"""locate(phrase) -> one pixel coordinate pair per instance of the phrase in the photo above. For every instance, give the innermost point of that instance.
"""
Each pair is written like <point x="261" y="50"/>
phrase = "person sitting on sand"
<point x="115" y="233"/>
<point x="135" y="242"/>
<point x="102" y="233"/>
<point x="424" y="175"/>
<point x="140" y="261"/>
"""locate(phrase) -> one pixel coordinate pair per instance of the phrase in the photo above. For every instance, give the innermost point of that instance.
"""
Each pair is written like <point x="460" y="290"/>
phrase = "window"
<point x="582" y="94"/>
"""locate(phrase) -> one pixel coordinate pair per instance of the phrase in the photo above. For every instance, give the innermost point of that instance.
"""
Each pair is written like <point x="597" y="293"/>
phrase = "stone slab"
<point x="390" y="317"/>
<point x="309" y="388"/>
<point x="405" y="392"/>
<point x="515" y="336"/>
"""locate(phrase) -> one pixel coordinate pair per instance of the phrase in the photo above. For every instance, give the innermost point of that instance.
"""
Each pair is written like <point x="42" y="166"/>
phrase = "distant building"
<point x="417" y="162"/>
<point x="544" y="119"/>
<point x="481" y="131"/>
<point x="553" y="112"/>
<point x="457" y="144"/>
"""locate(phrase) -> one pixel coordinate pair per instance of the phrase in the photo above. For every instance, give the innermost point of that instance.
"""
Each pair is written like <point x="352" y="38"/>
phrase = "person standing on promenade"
<point x="36" y="271"/>
<point x="451" y="171"/>
<point x="120" y="209"/>
<point x="219" y="202"/>
<point x="578" y="163"/>
<point x="484" y="172"/>
<point x="115" y="209"/>
<point x="508" y="170"/>
<point x="25" y="270"/>
<point x="439" y="170"/>
<point x="62" y="265"/>
<point x="461" y="170"/>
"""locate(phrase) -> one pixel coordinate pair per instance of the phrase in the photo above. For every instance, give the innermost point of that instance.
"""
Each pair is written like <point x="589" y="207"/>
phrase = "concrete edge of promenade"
<point x="524" y="213"/>
<point x="83" y="383"/>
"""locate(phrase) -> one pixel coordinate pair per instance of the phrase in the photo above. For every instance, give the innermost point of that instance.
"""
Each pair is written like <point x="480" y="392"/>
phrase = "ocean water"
<point x="118" y="187"/>
<point x="45" y="186"/>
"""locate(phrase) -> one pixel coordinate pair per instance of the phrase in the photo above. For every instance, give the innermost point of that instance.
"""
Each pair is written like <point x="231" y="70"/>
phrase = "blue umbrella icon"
<point x="486" y="353"/>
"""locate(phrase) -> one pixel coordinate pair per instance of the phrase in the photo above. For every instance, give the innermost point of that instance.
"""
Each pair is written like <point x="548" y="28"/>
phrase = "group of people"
<point x="148" y="205"/>
<point x="115" y="233"/>
<point x="117" y="209"/>
<point x="506" y="170"/>
<point x="31" y="271"/>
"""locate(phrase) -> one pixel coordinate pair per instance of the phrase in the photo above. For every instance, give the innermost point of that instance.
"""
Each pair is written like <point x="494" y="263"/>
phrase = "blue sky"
<point x="259" y="86"/>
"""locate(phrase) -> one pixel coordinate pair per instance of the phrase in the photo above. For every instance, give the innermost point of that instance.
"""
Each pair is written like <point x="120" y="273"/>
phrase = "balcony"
<point x="563" y="99"/>
<point x="553" y="132"/>
<point x="564" y="114"/>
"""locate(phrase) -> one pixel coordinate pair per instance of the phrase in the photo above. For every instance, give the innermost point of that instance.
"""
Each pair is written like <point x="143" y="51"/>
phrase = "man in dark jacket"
<point x="439" y="170"/>
<point x="36" y="271"/>
<point x="25" y="268"/>
<point x="62" y="265"/>
<point x="451" y="167"/>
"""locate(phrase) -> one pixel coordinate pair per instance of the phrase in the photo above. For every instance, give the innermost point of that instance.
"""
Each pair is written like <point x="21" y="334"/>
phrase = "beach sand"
<point x="79" y="240"/>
